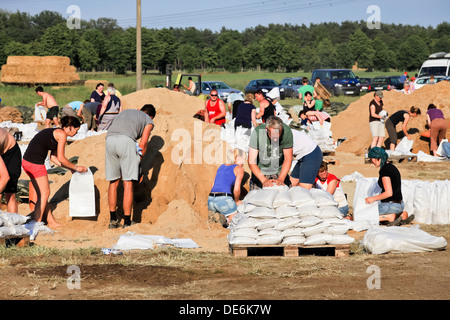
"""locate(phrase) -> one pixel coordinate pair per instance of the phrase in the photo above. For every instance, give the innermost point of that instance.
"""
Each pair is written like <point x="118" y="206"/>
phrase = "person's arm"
<point x="252" y="164"/>
<point x="104" y="105"/>
<point x="332" y="185"/>
<point x="59" y="158"/>
<point x="262" y="106"/>
<point x="373" y="113"/>
<point x="387" y="191"/>
<point x="4" y="175"/>
<point x="143" y="143"/>
<point x="239" y="172"/>
<point x="428" y="120"/>
<point x="405" y="123"/>
<point x="287" y="164"/>
<point x="254" y="118"/>
<point x="206" y="113"/>
<point x="79" y="113"/>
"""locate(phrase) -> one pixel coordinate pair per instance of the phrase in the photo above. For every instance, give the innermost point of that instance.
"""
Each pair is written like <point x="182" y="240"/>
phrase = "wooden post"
<point x="138" y="47"/>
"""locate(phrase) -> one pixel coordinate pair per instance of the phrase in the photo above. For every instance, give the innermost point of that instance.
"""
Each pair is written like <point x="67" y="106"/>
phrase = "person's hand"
<point x="80" y="169"/>
<point x="369" y="200"/>
<point x="268" y="183"/>
<point x="278" y="182"/>
<point x="238" y="202"/>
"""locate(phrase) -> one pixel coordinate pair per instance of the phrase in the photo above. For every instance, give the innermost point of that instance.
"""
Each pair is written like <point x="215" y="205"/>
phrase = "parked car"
<point x="264" y="84"/>
<point x="386" y="83"/>
<point x="291" y="86"/>
<point x="338" y="81"/>
<point x="420" y="82"/>
<point x="438" y="64"/>
<point x="365" y="83"/>
<point x="222" y="89"/>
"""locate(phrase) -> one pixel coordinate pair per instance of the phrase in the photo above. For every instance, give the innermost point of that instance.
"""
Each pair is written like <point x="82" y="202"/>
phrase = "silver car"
<point x="222" y="89"/>
<point x="291" y="86"/>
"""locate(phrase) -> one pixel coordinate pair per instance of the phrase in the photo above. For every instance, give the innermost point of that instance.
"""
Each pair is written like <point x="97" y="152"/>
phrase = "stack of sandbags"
<point x="295" y="216"/>
<point x="10" y="114"/>
<point x="12" y="224"/>
<point x="38" y="70"/>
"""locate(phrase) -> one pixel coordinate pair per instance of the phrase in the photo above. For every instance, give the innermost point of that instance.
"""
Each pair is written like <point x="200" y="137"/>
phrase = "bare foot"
<point x="54" y="225"/>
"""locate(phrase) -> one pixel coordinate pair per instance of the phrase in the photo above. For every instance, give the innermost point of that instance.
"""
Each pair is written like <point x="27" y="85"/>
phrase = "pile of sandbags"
<point x="38" y="70"/>
<point x="295" y="216"/>
<point x="12" y="224"/>
<point x="10" y="114"/>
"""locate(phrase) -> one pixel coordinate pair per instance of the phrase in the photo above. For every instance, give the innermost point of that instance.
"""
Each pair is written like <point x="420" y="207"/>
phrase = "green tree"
<point x="14" y="48"/>
<point x="383" y="58"/>
<point x="252" y="55"/>
<point x="152" y="50"/>
<point x="273" y="47"/>
<point x="210" y="58"/>
<point x="60" y="41"/>
<point x="326" y="53"/>
<point x="361" y="47"/>
<point x="442" y="44"/>
<point x="88" y="55"/>
<point x="310" y="59"/>
<point x="188" y="57"/>
<point x="118" y="52"/>
<point x="231" y="55"/>
<point x="344" y="56"/>
<point x="412" y="53"/>
<point x="168" y="43"/>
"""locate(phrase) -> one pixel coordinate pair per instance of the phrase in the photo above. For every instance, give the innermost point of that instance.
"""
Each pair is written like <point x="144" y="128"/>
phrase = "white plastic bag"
<point x="405" y="145"/>
<point x="82" y="195"/>
<point x="39" y="113"/>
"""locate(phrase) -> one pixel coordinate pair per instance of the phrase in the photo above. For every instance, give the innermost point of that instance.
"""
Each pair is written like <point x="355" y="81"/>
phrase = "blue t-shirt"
<point x="225" y="179"/>
<point x="76" y="105"/>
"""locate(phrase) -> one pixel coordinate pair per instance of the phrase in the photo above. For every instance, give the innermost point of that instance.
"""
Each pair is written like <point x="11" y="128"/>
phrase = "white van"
<point x="438" y="64"/>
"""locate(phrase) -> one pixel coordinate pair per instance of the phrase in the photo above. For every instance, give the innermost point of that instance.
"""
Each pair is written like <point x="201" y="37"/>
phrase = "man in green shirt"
<point x="305" y="88"/>
<point x="270" y="154"/>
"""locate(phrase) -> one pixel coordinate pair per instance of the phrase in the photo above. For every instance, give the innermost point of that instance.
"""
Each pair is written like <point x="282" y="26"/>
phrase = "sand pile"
<point x="38" y="70"/>
<point x="171" y="200"/>
<point x="353" y="123"/>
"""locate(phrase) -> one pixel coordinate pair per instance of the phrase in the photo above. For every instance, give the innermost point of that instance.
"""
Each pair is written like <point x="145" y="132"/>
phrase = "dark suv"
<point x="338" y="81"/>
<point x="386" y="83"/>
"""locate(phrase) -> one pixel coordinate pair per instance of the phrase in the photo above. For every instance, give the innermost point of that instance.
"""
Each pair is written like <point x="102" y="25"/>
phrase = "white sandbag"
<point x="323" y="198"/>
<point x="35" y="228"/>
<point x="269" y="232"/>
<point x="300" y="196"/>
<point x="340" y="239"/>
<point x="267" y="224"/>
<point x="262" y="213"/>
<point x="294" y="240"/>
<point x="359" y="226"/>
<point x="286" y="212"/>
<point x="318" y="239"/>
<point x="441" y="209"/>
<point x="318" y="228"/>
<point x="247" y="222"/>
<point x="12" y="219"/>
<point x="132" y="241"/>
<point x="263" y="198"/>
<point x="338" y="221"/>
<point x="440" y="150"/>
<point x="379" y="240"/>
<point x="286" y="223"/>
<point x="246" y="232"/>
<point x="366" y="187"/>
<point x="308" y="210"/>
<point x="39" y="113"/>
<point x="405" y="145"/>
<point x="248" y="207"/>
<point x="421" y="204"/>
<point x="20" y="230"/>
<point x="282" y="199"/>
<point x="269" y="240"/>
<point x="328" y="212"/>
<point x="242" y="240"/>
<point x="306" y="222"/>
<point x="82" y="195"/>
<point x="293" y="232"/>
<point x="7" y="231"/>
<point x="337" y="229"/>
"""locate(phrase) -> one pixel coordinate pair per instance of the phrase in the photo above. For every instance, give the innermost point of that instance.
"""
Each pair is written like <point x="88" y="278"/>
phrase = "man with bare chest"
<point x="49" y="102"/>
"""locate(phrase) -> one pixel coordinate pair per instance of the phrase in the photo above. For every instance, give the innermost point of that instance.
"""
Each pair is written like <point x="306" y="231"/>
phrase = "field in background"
<point x="26" y="96"/>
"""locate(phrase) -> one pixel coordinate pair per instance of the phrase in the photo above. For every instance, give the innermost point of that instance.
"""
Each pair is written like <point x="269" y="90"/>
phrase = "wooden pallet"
<point x="329" y="153"/>
<point x="289" y="250"/>
<point x="19" y="241"/>
<point x="397" y="159"/>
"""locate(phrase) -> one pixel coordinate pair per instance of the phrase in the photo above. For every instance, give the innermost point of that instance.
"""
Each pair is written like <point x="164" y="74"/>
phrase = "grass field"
<point x="26" y="96"/>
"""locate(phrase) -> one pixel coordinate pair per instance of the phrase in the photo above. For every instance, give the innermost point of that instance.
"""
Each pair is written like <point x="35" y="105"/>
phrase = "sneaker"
<point x="396" y="222"/>
<point x="126" y="225"/>
<point x="114" y="224"/>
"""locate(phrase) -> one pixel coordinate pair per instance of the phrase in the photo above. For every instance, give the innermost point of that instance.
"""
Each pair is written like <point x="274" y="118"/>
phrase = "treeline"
<point x="103" y="45"/>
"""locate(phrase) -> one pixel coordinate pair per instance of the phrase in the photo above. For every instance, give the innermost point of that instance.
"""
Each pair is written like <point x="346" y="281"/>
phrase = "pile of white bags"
<point x="322" y="135"/>
<point x="236" y="138"/>
<point x="295" y="216"/>
<point x="428" y="201"/>
<point x="12" y="224"/>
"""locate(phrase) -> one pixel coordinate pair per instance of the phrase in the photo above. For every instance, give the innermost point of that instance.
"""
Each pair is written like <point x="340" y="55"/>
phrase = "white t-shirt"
<point x="303" y="144"/>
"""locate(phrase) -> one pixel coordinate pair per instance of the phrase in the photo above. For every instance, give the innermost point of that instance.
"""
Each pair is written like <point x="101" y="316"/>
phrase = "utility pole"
<point x="138" y="47"/>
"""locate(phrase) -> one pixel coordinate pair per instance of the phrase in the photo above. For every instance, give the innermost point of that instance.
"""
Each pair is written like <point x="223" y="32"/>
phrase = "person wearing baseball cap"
<point x="376" y="125"/>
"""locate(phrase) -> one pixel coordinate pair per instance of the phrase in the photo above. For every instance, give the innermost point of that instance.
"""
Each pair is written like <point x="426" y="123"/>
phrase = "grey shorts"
<point x="377" y="129"/>
<point x="121" y="159"/>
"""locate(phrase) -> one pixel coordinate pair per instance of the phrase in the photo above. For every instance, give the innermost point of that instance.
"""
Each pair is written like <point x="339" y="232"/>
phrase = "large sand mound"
<point x="353" y="123"/>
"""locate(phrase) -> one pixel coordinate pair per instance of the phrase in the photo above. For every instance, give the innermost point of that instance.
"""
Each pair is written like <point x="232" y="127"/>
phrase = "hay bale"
<point x="42" y="70"/>
<point x="91" y="84"/>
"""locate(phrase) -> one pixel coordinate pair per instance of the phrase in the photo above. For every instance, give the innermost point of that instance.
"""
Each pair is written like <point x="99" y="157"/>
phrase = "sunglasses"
<point x="214" y="95"/>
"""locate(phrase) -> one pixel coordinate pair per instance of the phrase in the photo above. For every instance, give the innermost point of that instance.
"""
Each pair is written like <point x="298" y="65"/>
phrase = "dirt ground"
<point x="204" y="274"/>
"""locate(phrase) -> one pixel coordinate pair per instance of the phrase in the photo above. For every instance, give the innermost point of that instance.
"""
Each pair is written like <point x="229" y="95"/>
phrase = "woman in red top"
<point x="215" y="109"/>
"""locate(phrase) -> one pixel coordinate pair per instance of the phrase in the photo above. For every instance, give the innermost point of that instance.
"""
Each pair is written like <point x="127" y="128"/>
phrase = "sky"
<point x="239" y="14"/>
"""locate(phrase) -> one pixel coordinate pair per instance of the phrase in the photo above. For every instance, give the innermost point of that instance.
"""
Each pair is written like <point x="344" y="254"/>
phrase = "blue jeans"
<point x="390" y="207"/>
<point x="446" y="147"/>
<point x="224" y="205"/>
<point x="344" y="210"/>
